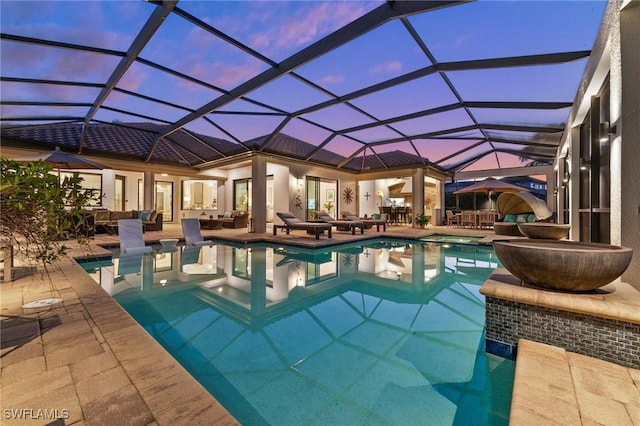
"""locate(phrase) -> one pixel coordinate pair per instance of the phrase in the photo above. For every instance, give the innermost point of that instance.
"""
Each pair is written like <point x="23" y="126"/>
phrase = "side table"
<point x="210" y="224"/>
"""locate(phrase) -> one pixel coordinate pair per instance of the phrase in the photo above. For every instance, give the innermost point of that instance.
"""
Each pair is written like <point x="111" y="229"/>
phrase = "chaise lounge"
<point x="341" y="225"/>
<point x="368" y="223"/>
<point x="292" y="222"/>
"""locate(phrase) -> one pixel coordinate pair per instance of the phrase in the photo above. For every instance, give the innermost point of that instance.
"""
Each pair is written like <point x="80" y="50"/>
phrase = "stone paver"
<point x="555" y="387"/>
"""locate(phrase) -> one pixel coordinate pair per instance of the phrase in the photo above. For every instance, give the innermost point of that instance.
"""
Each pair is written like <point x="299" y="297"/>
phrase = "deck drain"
<point x="42" y="303"/>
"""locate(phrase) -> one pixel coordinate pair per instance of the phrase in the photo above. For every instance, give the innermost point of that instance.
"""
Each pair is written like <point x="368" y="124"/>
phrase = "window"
<point x="242" y="195"/>
<point x="164" y="200"/>
<point x="89" y="181"/>
<point x="199" y="194"/>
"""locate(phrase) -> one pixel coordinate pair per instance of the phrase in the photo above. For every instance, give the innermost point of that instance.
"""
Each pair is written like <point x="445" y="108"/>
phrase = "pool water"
<point x="457" y="239"/>
<point x="385" y="332"/>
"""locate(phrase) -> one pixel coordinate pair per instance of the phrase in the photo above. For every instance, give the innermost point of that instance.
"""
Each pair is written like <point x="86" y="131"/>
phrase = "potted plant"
<point x="328" y="206"/>
<point x="422" y="220"/>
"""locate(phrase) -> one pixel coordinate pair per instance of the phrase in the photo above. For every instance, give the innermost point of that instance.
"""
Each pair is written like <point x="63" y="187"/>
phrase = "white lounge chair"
<point x="130" y="235"/>
<point x="192" y="234"/>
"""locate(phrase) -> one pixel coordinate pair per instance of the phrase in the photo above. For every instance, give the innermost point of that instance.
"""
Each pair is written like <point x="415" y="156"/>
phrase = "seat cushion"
<point x="122" y="215"/>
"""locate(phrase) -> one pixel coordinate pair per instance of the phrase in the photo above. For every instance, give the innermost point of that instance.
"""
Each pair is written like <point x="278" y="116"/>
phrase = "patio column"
<point x="259" y="194"/>
<point x="149" y="184"/>
<point x="551" y="196"/>
<point x="417" y="186"/>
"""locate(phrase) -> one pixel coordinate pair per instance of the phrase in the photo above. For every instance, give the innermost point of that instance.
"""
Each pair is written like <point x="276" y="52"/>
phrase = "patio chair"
<point x="192" y="234"/>
<point x="368" y="223"/>
<point x="130" y="235"/>
<point x="453" y="219"/>
<point x="468" y="219"/>
<point x="292" y="222"/>
<point x="341" y="225"/>
<point x="486" y="218"/>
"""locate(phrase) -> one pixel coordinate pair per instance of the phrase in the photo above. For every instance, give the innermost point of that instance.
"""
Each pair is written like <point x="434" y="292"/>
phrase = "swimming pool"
<point x="457" y="239"/>
<point x="382" y="332"/>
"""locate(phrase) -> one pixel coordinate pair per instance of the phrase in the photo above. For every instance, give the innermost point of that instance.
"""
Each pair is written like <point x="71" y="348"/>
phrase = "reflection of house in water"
<point x="328" y="306"/>
<point x="257" y="285"/>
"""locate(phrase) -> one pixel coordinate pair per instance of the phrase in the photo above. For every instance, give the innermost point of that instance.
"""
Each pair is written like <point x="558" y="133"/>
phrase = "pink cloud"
<point x="387" y="67"/>
<point x="199" y="39"/>
<point x="222" y="74"/>
<point x="304" y="26"/>
<point x="461" y="41"/>
<point x="332" y="79"/>
<point x="133" y="79"/>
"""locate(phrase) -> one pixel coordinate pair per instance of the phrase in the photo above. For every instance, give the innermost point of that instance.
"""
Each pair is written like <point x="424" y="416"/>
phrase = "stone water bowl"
<point x="563" y="265"/>
<point x="542" y="230"/>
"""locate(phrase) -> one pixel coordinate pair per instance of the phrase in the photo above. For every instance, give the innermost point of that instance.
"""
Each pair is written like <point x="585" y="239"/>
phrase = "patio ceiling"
<point x="360" y="86"/>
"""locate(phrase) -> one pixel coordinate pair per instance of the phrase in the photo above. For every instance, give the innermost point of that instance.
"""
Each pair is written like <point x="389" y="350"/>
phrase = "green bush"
<point x="38" y="210"/>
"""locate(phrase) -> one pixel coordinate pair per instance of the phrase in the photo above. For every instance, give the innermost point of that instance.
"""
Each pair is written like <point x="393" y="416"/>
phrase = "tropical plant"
<point x="328" y="206"/>
<point x="38" y="210"/>
<point x="422" y="219"/>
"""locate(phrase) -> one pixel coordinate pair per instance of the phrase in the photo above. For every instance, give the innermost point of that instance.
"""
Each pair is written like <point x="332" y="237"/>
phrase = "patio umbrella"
<point x="491" y="185"/>
<point x="62" y="160"/>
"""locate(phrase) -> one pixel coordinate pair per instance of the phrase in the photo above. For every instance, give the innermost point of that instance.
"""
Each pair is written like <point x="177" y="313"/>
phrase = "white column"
<point x="417" y="186"/>
<point x="149" y="185"/>
<point x="259" y="194"/>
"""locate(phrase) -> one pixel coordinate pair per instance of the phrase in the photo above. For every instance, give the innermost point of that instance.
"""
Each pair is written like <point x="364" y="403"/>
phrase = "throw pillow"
<point x="531" y="218"/>
<point x="227" y="215"/>
<point x="510" y="218"/>
<point x="144" y="215"/>
<point x="521" y="218"/>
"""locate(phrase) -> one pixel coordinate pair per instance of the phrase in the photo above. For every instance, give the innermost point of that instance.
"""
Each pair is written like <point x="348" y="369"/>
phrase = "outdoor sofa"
<point x="292" y="222"/>
<point x="234" y="219"/>
<point x="107" y="220"/>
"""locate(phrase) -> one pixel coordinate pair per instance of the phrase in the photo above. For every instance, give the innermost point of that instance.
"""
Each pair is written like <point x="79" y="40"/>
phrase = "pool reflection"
<point x="257" y="283"/>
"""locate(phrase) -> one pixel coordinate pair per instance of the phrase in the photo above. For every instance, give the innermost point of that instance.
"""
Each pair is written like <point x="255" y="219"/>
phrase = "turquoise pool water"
<point x="384" y="333"/>
<point x="457" y="239"/>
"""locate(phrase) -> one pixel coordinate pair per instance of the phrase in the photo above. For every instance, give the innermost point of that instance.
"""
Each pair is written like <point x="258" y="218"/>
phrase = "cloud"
<point x="304" y="25"/>
<point x="332" y="79"/>
<point x="461" y="41"/>
<point x="199" y="39"/>
<point x="387" y="67"/>
<point x="222" y="74"/>
<point x="132" y="79"/>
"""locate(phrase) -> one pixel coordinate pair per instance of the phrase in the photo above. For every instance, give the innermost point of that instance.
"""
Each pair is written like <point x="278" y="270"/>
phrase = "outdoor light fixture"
<point x="566" y="177"/>
<point x="606" y="130"/>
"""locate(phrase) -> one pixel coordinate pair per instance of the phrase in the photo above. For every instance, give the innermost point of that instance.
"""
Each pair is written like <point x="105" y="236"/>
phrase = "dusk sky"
<point x="278" y="29"/>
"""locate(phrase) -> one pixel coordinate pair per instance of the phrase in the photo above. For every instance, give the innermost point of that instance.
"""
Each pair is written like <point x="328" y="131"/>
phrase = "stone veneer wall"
<point x="607" y="339"/>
